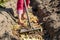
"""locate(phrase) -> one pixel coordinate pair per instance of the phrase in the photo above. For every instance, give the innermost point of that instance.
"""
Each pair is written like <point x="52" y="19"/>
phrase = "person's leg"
<point x="20" y="17"/>
<point x="20" y="11"/>
<point x="27" y="2"/>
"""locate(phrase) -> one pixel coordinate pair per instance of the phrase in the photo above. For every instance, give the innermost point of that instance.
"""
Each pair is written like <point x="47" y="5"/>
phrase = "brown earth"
<point x="46" y="12"/>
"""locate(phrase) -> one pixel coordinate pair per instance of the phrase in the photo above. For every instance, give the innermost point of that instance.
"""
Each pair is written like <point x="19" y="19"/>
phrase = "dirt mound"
<point x="6" y="23"/>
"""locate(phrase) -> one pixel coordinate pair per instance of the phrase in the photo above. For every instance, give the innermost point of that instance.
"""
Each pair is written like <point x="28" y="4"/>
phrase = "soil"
<point x="44" y="14"/>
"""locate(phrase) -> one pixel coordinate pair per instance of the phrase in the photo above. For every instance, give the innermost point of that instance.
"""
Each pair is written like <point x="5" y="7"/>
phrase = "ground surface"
<point x="47" y="12"/>
<point x="7" y="23"/>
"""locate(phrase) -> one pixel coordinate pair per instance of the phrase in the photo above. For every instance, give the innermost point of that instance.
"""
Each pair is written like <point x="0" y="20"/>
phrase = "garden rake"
<point x="30" y="28"/>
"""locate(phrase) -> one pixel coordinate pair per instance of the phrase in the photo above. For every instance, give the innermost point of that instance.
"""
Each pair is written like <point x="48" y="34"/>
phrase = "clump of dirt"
<point x="5" y="22"/>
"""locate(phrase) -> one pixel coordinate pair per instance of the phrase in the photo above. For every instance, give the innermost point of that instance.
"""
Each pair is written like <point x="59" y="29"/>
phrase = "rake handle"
<point x="28" y="18"/>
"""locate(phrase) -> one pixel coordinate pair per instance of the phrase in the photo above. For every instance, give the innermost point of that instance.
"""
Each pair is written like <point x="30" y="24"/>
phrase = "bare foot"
<point x="24" y="16"/>
<point x="29" y="6"/>
<point x="20" y="22"/>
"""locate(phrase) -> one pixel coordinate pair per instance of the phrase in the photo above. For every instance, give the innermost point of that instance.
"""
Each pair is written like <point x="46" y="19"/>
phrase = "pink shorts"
<point x="20" y="4"/>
